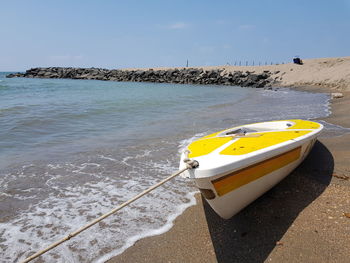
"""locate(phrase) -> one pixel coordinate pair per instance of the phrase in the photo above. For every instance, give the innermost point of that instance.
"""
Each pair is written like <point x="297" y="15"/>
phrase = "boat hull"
<point x="240" y="197"/>
<point x="232" y="186"/>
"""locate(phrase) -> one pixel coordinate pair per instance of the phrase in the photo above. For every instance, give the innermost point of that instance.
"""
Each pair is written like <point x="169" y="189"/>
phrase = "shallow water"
<point x="71" y="150"/>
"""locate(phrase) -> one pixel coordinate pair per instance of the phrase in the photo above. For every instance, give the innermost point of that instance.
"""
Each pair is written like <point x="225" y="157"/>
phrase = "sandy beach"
<point x="305" y="218"/>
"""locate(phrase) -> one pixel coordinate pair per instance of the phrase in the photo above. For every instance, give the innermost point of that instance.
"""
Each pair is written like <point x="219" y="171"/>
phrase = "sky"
<point x="152" y="33"/>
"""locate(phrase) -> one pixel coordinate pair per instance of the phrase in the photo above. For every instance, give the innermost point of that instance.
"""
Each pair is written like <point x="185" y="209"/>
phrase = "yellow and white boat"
<point x="238" y="165"/>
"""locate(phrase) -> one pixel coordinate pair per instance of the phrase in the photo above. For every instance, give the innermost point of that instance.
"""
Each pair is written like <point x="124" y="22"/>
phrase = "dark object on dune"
<point x="297" y="60"/>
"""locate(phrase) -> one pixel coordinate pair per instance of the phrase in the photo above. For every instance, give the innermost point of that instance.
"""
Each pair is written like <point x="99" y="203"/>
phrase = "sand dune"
<point x="328" y="73"/>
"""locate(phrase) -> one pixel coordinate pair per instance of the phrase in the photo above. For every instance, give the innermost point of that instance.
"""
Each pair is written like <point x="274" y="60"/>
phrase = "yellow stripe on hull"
<point x="244" y="176"/>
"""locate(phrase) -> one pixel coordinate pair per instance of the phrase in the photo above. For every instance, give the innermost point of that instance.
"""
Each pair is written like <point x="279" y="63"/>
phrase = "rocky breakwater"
<point x="181" y="75"/>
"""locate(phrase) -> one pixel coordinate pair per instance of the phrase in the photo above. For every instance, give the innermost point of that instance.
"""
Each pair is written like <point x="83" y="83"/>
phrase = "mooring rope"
<point x="190" y="164"/>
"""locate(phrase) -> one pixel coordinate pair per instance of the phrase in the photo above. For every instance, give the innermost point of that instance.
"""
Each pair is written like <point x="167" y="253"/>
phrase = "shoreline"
<point x="313" y="230"/>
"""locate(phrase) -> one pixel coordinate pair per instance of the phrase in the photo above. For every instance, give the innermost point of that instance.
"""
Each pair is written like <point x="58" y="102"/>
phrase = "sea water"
<point x="71" y="150"/>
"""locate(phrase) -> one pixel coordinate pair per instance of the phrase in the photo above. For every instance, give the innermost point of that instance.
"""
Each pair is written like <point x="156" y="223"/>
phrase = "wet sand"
<point x="300" y="220"/>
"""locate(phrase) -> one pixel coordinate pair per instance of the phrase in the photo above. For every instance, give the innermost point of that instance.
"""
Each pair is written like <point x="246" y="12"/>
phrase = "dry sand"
<point x="302" y="219"/>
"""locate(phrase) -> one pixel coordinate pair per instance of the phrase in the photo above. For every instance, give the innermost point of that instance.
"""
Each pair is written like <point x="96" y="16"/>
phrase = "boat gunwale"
<point x="250" y="158"/>
<point x="289" y="129"/>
